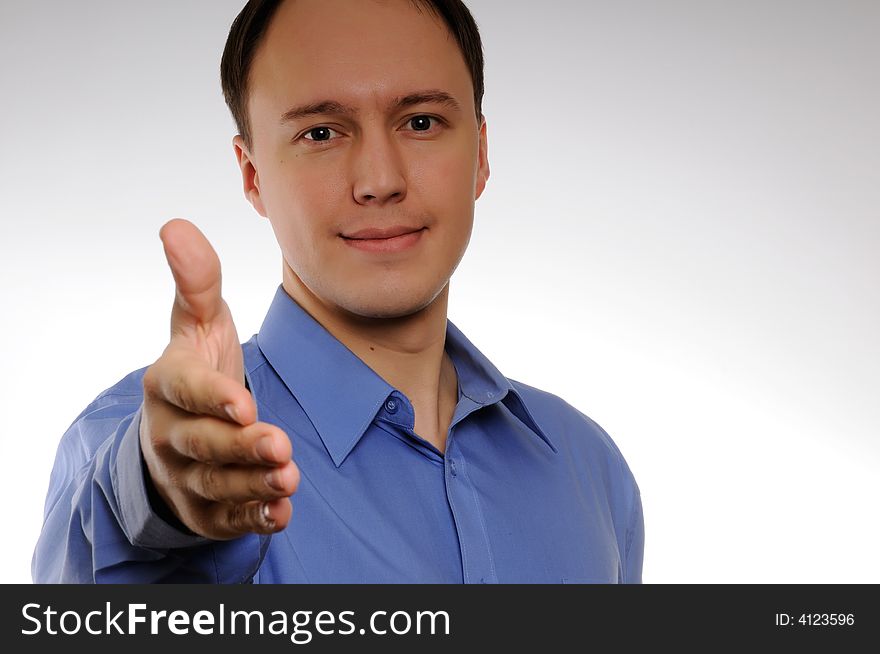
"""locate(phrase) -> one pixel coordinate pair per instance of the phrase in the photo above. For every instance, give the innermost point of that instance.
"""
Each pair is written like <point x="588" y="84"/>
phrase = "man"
<point x="412" y="458"/>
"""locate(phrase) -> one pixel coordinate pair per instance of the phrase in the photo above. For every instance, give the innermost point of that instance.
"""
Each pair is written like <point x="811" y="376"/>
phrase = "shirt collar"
<point x="341" y="394"/>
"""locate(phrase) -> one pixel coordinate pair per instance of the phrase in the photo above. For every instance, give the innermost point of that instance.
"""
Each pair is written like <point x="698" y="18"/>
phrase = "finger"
<point x="278" y="512"/>
<point x="196" y="270"/>
<point x="233" y="520"/>
<point x="183" y="379"/>
<point x="239" y="484"/>
<point x="210" y="440"/>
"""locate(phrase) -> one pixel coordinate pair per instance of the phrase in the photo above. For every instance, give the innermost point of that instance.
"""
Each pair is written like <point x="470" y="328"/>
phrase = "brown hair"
<point x="251" y="25"/>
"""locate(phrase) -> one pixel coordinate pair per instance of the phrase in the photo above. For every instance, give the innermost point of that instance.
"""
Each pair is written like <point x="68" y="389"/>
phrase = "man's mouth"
<point x="377" y="233"/>
<point x="384" y="240"/>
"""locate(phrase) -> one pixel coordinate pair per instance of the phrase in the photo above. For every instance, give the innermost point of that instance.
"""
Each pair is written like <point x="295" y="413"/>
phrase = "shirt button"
<point x="391" y="406"/>
<point x="452" y="470"/>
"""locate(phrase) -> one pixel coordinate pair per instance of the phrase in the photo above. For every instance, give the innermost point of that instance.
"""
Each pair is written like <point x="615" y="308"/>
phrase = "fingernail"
<point x="267" y="518"/>
<point x="231" y="411"/>
<point x="274" y="480"/>
<point x="265" y="449"/>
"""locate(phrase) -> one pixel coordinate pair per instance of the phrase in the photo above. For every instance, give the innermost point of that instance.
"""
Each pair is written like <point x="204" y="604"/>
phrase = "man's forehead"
<point x="371" y="65"/>
<point x="360" y="39"/>
<point x="334" y="23"/>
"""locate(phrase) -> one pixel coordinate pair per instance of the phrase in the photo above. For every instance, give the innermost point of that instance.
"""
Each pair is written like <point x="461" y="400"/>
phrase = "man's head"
<point x="399" y="141"/>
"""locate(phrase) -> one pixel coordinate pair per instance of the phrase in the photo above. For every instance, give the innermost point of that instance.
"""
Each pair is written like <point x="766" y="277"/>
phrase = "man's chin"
<point x="385" y="310"/>
<point x="389" y="305"/>
<point x="384" y="300"/>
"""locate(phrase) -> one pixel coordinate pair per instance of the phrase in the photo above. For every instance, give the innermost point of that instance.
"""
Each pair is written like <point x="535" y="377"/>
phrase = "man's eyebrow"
<point x="326" y="107"/>
<point x="433" y="96"/>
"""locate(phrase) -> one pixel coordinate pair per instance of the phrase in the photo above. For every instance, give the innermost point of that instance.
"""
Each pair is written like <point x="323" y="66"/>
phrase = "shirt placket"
<point x="478" y="565"/>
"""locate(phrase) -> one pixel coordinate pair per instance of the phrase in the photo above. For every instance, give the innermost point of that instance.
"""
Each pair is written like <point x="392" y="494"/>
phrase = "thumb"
<point x="196" y="270"/>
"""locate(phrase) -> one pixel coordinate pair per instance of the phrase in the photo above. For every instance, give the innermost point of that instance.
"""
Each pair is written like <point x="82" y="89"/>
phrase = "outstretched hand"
<point x="222" y="473"/>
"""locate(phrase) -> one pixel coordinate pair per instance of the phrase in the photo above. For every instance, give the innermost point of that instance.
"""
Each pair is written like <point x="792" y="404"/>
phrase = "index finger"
<point x="208" y="440"/>
<point x="186" y="381"/>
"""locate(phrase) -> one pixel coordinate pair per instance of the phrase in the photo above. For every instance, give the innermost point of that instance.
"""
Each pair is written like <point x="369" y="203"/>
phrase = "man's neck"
<point x="407" y="352"/>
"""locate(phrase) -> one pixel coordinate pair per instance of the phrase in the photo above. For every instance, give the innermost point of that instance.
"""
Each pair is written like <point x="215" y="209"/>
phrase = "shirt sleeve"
<point x="635" y="542"/>
<point x="100" y="525"/>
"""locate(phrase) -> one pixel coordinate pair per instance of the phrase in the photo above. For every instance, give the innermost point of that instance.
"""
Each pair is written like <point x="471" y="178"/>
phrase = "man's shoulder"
<point x="570" y="430"/>
<point x="559" y="415"/>
<point x="128" y="390"/>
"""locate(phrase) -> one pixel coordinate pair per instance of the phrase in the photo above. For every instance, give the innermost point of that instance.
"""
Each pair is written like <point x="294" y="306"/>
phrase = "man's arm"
<point x="188" y="437"/>
<point x="103" y="522"/>
<point x="635" y="541"/>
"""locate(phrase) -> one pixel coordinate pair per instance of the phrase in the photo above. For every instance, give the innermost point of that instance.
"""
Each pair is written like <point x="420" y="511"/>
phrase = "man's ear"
<point x="483" y="162"/>
<point x="249" y="175"/>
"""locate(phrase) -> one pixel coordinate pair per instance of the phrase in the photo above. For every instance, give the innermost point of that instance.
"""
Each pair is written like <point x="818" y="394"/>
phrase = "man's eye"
<point x="319" y="134"/>
<point x="422" y="123"/>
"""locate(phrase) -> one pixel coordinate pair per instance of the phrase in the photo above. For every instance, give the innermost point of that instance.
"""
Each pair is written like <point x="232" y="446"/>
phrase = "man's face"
<point x="320" y="178"/>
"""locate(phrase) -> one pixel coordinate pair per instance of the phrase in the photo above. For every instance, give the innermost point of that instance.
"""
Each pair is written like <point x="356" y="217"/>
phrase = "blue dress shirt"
<point x="529" y="490"/>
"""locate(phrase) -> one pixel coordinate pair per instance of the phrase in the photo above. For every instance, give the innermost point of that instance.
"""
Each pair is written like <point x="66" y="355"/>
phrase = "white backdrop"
<point x="680" y="236"/>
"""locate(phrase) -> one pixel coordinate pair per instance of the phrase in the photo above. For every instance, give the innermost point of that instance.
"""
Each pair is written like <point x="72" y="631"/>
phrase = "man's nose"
<point x="378" y="170"/>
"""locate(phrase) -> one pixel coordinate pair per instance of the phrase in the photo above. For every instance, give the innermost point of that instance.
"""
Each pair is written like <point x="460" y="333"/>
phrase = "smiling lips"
<point x="389" y="239"/>
<point x="376" y="232"/>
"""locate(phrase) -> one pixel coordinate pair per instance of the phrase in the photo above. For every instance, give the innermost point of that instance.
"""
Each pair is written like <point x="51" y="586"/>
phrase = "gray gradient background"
<point x="679" y="237"/>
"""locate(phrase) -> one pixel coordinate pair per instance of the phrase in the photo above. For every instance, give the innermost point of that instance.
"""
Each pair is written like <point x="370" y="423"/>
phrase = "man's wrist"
<point x="159" y="506"/>
<point x="145" y="518"/>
